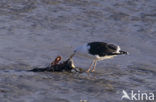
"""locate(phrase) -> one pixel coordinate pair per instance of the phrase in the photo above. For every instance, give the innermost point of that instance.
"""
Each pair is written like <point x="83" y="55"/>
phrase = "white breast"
<point x="84" y="51"/>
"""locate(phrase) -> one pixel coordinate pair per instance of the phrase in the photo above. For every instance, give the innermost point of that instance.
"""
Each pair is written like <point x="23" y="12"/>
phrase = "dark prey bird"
<point x="98" y="51"/>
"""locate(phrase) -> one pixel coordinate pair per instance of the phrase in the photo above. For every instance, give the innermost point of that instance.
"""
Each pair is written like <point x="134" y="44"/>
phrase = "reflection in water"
<point x="32" y="32"/>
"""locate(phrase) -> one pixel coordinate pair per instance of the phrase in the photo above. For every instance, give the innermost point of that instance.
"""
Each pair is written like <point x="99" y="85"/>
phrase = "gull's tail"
<point x="123" y="52"/>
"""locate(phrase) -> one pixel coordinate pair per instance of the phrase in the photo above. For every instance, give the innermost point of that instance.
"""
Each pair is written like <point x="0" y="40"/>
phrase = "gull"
<point x="98" y="51"/>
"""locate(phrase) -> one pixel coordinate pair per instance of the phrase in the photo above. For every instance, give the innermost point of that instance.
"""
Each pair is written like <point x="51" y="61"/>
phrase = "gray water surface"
<point x="34" y="32"/>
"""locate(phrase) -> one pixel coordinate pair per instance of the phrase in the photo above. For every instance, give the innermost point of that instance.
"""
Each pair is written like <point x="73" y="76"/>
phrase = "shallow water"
<point x="34" y="32"/>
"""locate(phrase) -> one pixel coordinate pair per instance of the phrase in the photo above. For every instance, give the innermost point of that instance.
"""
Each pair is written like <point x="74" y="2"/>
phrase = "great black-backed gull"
<point x="98" y="51"/>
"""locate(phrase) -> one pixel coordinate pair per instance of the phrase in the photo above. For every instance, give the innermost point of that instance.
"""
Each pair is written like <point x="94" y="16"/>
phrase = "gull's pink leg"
<point x="90" y="66"/>
<point x="94" y="66"/>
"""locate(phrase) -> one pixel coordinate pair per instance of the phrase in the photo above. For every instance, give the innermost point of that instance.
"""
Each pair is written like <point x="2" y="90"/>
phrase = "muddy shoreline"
<point x="34" y="32"/>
